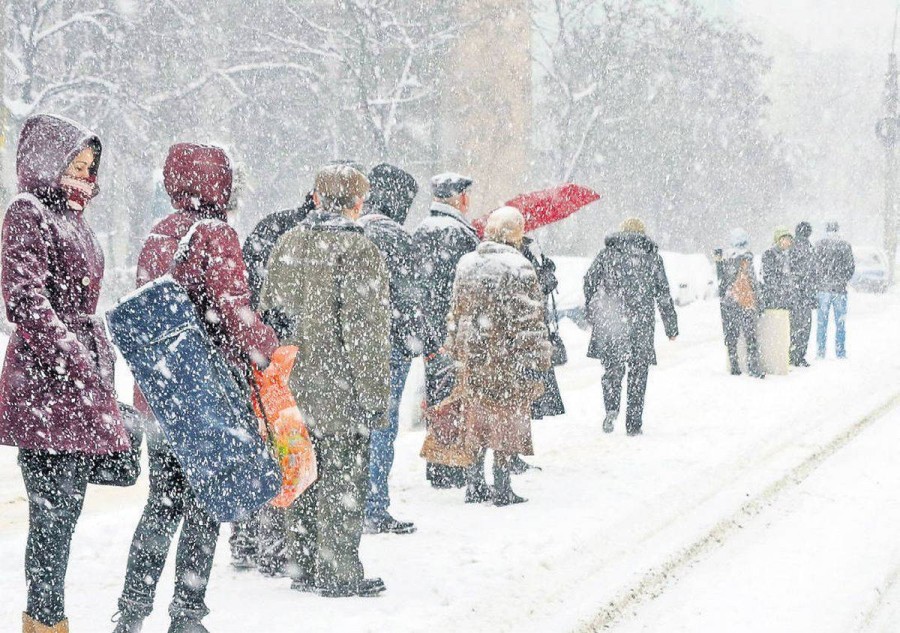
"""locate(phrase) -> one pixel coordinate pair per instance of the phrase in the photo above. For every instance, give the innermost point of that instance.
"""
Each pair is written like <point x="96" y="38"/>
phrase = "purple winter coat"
<point x="56" y="388"/>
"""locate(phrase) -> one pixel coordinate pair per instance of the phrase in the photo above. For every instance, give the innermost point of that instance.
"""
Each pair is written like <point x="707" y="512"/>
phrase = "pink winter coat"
<point x="198" y="180"/>
<point x="56" y="388"/>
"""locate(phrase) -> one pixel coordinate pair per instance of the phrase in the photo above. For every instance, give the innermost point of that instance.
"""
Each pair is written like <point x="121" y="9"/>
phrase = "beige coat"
<point x="497" y="336"/>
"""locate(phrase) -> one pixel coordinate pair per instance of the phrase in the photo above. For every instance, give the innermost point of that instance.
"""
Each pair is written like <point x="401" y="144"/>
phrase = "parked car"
<point x="871" y="269"/>
<point x="692" y="277"/>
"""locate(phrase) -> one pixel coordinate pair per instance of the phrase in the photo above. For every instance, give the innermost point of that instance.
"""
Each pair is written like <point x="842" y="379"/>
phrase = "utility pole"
<point x="888" y="131"/>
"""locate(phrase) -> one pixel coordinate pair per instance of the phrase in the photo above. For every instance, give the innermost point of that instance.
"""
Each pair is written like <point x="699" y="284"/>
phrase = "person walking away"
<point x="390" y="197"/>
<point x="260" y="540"/>
<point x="198" y="179"/>
<point x="57" y="395"/>
<point x="804" y="264"/>
<point x="333" y="285"/>
<point x="836" y="266"/>
<point x="441" y="240"/>
<point x="498" y="337"/>
<point x="739" y="301"/>
<point x="622" y="286"/>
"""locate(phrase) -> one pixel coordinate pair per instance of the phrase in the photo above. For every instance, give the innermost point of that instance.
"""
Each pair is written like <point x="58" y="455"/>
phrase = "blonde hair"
<point x="633" y="225"/>
<point x="505" y="225"/>
<point x="340" y="187"/>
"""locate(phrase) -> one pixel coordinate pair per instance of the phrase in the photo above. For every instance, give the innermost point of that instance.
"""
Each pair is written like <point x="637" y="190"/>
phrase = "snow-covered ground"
<point x="746" y="506"/>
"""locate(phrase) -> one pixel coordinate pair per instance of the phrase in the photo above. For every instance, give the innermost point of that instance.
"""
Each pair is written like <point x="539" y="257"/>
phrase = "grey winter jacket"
<point x="835" y="265"/>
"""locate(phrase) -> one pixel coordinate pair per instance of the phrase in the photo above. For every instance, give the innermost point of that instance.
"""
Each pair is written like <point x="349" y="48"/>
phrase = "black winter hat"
<point x="804" y="230"/>
<point x="392" y="192"/>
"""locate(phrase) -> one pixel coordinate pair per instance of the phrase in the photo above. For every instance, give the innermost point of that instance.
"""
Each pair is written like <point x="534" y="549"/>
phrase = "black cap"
<point x="392" y="191"/>
<point x="449" y="184"/>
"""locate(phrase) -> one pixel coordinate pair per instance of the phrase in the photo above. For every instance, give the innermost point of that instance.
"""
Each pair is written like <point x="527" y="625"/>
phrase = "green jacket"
<point x="331" y="283"/>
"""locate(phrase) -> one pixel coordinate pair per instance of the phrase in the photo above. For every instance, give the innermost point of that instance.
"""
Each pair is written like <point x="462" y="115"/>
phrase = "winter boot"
<point x="518" y="466"/>
<point x="30" y="625"/>
<point x="127" y="623"/>
<point x="185" y="620"/>
<point x="477" y="490"/>
<point x="503" y="494"/>
<point x="609" y="421"/>
<point x="185" y="623"/>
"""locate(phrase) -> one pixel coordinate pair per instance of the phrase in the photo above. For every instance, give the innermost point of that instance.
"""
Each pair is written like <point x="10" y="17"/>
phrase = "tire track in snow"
<point x="655" y="581"/>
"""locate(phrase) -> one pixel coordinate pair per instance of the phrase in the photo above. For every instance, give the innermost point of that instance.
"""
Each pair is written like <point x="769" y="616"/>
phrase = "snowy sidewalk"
<point x="605" y="510"/>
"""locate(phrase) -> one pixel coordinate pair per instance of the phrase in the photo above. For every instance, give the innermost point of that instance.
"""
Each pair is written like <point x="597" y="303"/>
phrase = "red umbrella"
<point x="547" y="206"/>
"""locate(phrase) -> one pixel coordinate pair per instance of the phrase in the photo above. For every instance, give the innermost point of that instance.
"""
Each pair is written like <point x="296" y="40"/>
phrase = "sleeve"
<point x="664" y="300"/>
<point x="254" y="259"/>
<point x="592" y="279"/>
<point x="851" y="262"/>
<point x="409" y="297"/>
<point x="365" y="325"/>
<point x="271" y="303"/>
<point x="25" y="270"/>
<point x="226" y="286"/>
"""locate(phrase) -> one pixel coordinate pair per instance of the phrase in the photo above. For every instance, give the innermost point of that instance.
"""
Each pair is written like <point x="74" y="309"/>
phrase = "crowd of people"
<point x="341" y="278"/>
<point x="798" y="278"/>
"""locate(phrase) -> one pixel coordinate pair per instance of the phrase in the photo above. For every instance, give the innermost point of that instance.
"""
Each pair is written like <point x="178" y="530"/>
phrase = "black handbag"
<point x="121" y="469"/>
<point x="560" y="355"/>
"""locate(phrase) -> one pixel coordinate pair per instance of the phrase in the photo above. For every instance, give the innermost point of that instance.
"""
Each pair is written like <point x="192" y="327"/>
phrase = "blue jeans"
<point x="838" y="302"/>
<point x="381" y="451"/>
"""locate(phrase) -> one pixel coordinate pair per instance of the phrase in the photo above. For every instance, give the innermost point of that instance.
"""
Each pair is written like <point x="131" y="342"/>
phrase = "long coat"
<point x="332" y="284"/>
<point x="497" y="336"/>
<point x="780" y="279"/>
<point x="622" y="288"/>
<point x="211" y="269"/>
<point x="56" y="389"/>
<point x="803" y="255"/>
<point x="440" y="240"/>
<point x="550" y="403"/>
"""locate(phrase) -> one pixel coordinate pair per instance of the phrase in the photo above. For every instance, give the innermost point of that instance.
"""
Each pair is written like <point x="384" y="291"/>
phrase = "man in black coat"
<point x="624" y="286"/>
<point x="835" y="265"/>
<point x="390" y="197"/>
<point x="441" y="240"/>
<point x="804" y="264"/>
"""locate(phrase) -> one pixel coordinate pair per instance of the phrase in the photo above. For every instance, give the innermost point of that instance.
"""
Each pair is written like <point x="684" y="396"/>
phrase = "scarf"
<point x="79" y="191"/>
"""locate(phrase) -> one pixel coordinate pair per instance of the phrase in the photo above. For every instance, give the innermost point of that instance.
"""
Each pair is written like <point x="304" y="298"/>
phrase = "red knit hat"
<point x="198" y="176"/>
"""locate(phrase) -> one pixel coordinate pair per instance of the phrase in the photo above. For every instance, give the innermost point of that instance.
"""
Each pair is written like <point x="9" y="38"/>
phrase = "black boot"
<point x="126" y="623"/>
<point x="609" y="421"/>
<point x="503" y="494"/>
<point x="187" y="620"/>
<point x="477" y="490"/>
<point x="518" y="466"/>
<point x="130" y="616"/>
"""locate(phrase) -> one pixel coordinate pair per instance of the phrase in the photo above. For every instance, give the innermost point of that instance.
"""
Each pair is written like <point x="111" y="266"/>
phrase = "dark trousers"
<point x="261" y="539"/>
<point x="55" y="483"/>
<point x="737" y="321"/>
<point x="171" y="500"/>
<point x="637" y="386"/>
<point x="801" y="327"/>
<point x="326" y="521"/>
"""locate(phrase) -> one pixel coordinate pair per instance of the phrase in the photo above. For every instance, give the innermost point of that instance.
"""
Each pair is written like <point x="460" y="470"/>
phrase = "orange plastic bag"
<point x="291" y="441"/>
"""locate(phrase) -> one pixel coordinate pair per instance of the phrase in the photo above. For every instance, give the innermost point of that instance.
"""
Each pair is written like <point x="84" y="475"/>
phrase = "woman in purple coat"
<point x="57" y="399"/>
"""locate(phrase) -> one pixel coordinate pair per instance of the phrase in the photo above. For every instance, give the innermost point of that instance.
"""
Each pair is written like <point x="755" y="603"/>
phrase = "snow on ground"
<point x="605" y="511"/>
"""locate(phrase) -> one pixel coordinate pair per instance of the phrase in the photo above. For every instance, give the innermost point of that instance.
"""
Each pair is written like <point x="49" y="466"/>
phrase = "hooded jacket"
<point x="835" y="264"/>
<point x="623" y="287"/>
<point x="211" y="269"/>
<point x="57" y="385"/>
<point x="332" y="284"/>
<point x="392" y="193"/>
